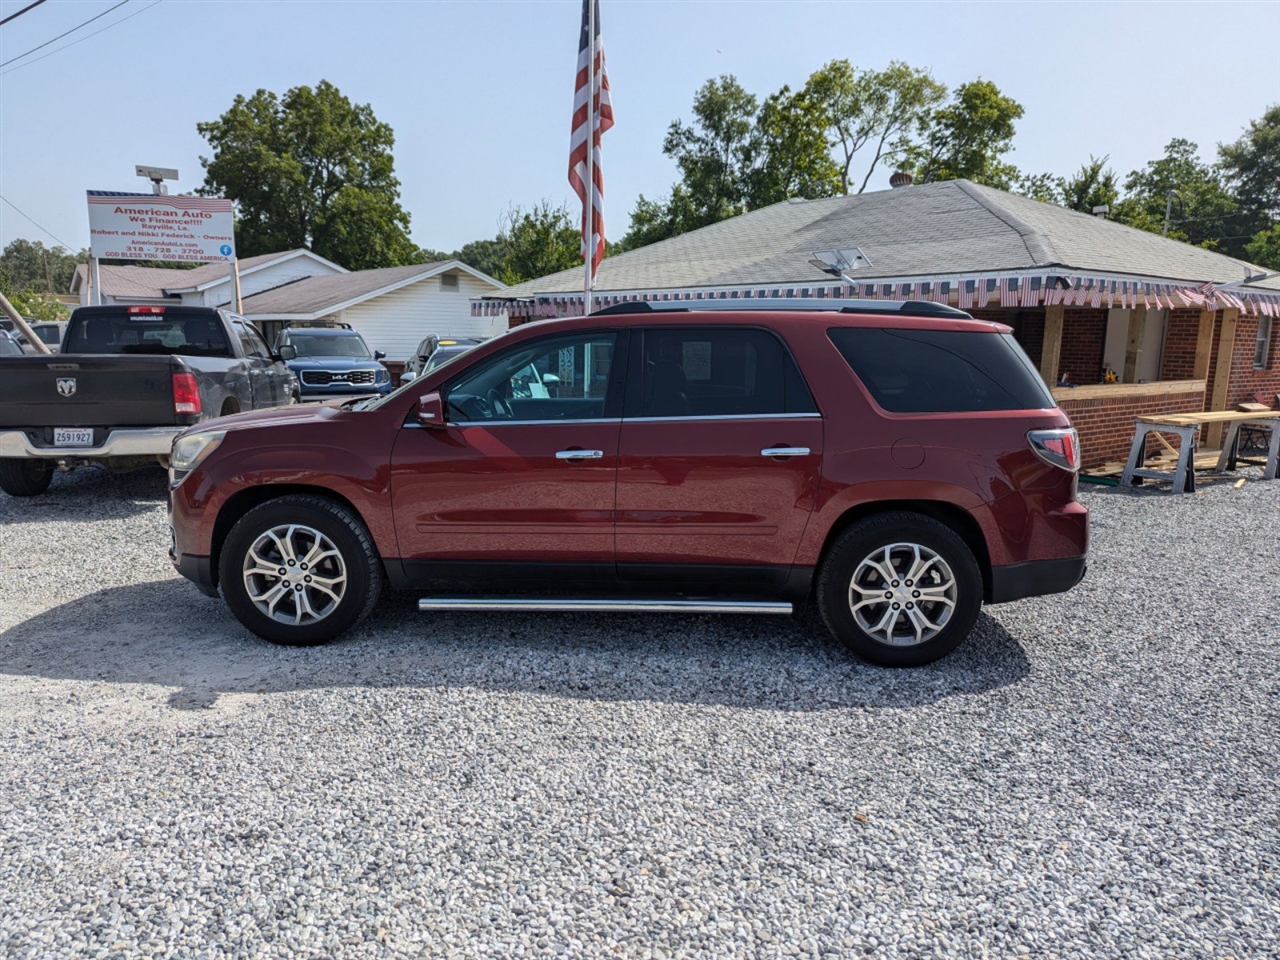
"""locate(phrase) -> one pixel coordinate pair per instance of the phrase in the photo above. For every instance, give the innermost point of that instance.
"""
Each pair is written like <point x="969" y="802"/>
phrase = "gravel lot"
<point x="1092" y="775"/>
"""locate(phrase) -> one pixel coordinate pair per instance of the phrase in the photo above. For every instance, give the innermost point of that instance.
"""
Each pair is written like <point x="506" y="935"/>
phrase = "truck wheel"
<point x="900" y="589"/>
<point x="20" y="477"/>
<point x="299" y="570"/>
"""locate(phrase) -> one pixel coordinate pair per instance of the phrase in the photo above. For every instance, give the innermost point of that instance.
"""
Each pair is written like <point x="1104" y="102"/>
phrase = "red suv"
<point x="898" y="463"/>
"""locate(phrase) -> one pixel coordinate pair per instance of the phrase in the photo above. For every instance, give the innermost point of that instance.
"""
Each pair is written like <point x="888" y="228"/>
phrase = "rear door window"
<point x="714" y="372"/>
<point x="942" y="371"/>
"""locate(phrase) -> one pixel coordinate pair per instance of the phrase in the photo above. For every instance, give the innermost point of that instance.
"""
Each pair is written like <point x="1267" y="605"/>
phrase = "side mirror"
<point x="431" y="410"/>
<point x="288" y="352"/>
<point x="550" y="379"/>
<point x="379" y="355"/>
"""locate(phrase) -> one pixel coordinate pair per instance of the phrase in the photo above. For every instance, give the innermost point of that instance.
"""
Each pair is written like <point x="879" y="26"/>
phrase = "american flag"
<point x="906" y="291"/>
<point x="1009" y="292"/>
<point x="966" y="294"/>
<point x="1030" y="294"/>
<point x="591" y="110"/>
<point x="942" y="292"/>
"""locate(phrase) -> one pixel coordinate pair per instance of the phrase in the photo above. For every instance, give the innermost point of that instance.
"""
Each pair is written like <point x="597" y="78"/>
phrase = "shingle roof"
<point x="316" y="295"/>
<point x="131" y="282"/>
<point x="938" y="229"/>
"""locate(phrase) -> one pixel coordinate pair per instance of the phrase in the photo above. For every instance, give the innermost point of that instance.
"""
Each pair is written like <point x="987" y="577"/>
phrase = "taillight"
<point x="1058" y="448"/>
<point x="150" y="311"/>
<point x="186" y="394"/>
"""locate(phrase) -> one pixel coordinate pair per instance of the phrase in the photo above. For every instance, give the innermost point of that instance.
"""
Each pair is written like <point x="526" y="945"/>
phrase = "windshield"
<point x="192" y="337"/>
<point x="317" y="345"/>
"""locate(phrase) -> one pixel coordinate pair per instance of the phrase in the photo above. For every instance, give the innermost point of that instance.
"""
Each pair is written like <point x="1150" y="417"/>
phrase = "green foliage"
<point x="969" y="137"/>
<point x="654" y="220"/>
<point x="1202" y="210"/>
<point x="1251" y="169"/>
<point x="538" y="242"/>
<point x="1264" y="248"/>
<point x="789" y="155"/>
<point x="1093" y="185"/>
<point x="878" y="110"/>
<point x="715" y="152"/>
<point x="30" y="265"/>
<point x="309" y="169"/>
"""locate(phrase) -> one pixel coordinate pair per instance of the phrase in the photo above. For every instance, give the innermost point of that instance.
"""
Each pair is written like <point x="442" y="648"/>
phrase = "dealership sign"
<point x="142" y="226"/>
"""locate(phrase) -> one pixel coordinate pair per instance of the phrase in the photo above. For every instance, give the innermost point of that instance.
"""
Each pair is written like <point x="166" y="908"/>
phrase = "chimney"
<point x="901" y="179"/>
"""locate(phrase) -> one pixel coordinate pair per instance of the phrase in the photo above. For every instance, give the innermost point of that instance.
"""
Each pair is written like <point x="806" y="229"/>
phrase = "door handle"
<point x="785" y="452"/>
<point x="579" y="454"/>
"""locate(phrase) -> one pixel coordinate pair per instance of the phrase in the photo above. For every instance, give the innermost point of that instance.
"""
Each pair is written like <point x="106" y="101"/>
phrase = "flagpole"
<point x="590" y="191"/>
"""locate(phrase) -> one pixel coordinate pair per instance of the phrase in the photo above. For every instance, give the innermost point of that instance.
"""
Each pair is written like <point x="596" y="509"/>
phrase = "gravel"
<point x="1091" y="775"/>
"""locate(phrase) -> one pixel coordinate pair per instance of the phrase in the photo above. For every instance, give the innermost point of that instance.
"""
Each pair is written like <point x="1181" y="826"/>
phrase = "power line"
<point x="61" y="35"/>
<point x="15" y="16"/>
<point x="82" y="39"/>
<point x="45" y="230"/>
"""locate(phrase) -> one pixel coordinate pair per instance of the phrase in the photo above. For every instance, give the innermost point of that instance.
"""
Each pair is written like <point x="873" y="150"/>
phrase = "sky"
<point x="479" y="93"/>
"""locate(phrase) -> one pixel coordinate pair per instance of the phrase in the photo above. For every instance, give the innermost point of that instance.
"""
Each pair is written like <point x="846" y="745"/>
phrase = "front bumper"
<point x="1035" y="578"/>
<point x="122" y="442"/>
<point x="199" y="570"/>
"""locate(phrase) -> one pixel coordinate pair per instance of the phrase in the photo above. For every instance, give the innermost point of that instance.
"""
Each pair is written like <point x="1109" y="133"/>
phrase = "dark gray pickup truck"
<point x="128" y="380"/>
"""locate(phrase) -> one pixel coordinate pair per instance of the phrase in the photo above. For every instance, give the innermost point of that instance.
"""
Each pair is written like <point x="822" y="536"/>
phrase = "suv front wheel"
<point x="299" y="570"/>
<point x="900" y="589"/>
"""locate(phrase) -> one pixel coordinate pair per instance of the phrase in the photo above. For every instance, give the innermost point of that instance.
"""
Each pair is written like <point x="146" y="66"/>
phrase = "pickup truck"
<point x="127" y="381"/>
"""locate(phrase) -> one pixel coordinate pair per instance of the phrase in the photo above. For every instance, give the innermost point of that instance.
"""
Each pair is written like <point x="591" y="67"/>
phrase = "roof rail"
<point x="916" y="308"/>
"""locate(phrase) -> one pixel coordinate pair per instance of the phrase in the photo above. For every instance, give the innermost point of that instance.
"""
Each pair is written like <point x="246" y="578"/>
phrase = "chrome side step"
<point x="604" y="606"/>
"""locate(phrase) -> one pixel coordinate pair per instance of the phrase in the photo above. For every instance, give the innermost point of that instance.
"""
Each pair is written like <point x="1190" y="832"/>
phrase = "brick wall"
<point x="1181" y="333"/>
<point x="1246" y="381"/>
<point x="1084" y="338"/>
<point x="1105" y="424"/>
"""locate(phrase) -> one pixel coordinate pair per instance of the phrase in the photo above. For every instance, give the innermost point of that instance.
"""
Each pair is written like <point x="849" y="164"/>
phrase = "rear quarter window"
<point x="942" y="371"/>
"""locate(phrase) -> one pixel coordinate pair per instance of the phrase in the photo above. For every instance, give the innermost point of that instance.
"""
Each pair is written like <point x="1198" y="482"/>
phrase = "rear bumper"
<point x="1035" y="578"/>
<point x="124" y="442"/>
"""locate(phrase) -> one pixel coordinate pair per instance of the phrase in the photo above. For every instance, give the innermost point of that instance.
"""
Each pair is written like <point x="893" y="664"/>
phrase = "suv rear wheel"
<point x="20" y="477"/>
<point x="900" y="589"/>
<point x="299" y="570"/>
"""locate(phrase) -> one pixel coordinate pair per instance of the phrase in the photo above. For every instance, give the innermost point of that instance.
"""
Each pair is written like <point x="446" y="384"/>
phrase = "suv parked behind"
<point x="899" y="463"/>
<point x="334" y="362"/>
<point x="433" y="351"/>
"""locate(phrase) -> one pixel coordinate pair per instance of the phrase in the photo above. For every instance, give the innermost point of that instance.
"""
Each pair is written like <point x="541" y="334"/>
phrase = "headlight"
<point x="189" y="451"/>
<point x="384" y="374"/>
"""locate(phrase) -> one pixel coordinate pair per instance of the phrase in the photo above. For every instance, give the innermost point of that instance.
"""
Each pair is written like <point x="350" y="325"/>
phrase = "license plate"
<point x="72" y="437"/>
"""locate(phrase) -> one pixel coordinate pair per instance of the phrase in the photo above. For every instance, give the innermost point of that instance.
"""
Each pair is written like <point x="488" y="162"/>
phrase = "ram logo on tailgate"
<point x="66" y="386"/>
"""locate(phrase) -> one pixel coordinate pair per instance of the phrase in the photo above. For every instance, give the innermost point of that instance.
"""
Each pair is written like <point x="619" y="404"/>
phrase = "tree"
<point x="1094" y="185"/>
<point x="654" y="220"/>
<point x="789" y="155"/>
<point x="879" y="110"/>
<point x="29" y="265"/>
<point x="969" y="137"/>
<point x="1264" y="248"/>
<point x="716" y="151"/>
<point x="1202" y="209"/>
<point x="537" y="242"/>
<point x="1251" y="169"/>
<point x="309" y="169"/>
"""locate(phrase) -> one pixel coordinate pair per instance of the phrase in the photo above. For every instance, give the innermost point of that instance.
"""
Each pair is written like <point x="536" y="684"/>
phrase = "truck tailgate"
<point x="84" y="390"/>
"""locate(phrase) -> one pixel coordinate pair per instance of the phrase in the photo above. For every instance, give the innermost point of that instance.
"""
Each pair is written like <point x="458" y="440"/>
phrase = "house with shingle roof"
<point x="1119" y="321"/>
<point x="393" y="308"/>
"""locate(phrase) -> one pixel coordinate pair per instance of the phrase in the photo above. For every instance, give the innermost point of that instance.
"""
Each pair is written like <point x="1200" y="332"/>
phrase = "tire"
<point x="22" y="477"/>
<point x="949" y="573"/>
<point x="352" y="575"/>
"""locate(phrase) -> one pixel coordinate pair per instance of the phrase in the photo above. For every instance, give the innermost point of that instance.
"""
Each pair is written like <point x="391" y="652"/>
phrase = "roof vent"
<point x="901" y="179"/>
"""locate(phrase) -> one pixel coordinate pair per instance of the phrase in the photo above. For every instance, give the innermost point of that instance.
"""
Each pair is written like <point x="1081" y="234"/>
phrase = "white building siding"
<point x="397" y="321"/>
